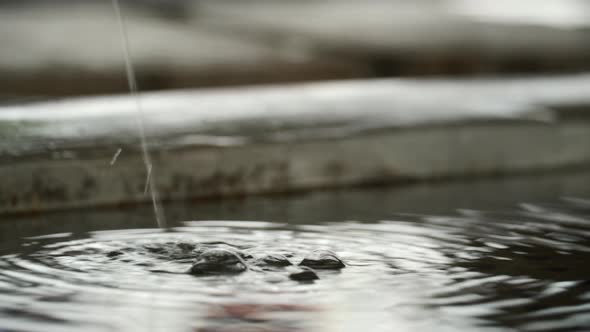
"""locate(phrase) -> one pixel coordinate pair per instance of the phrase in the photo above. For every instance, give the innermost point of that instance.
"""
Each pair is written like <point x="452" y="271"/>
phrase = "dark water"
<point x="497" y="255"/>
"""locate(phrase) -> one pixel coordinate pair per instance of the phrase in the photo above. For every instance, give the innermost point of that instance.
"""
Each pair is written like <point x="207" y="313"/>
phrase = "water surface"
<point x="497" y="255"/>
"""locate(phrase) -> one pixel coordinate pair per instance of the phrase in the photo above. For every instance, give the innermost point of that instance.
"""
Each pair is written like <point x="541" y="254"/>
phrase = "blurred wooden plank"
<point x="421" y="37"/>
<point x="76" y="49"/>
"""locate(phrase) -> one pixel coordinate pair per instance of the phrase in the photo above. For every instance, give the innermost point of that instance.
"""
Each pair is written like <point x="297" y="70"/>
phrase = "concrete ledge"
<point x="215" y="143"/>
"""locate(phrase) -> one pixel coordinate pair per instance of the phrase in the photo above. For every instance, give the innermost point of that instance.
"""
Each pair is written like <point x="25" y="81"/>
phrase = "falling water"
<point x="115" y="156"/>
<point x="132" y="81"/>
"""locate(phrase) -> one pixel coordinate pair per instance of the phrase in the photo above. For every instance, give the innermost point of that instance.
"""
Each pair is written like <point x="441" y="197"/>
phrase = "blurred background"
<point x="455" y="254"/>
<point x="52" y="48"/>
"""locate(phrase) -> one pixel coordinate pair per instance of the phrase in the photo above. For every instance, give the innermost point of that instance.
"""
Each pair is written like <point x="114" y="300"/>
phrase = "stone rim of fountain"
<point x="225" y="142"/>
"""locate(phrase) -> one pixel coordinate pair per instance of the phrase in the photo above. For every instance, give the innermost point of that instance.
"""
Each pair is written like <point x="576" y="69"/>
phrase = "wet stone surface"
<point x="322" y="259"/>
<point x="216" y="261"/>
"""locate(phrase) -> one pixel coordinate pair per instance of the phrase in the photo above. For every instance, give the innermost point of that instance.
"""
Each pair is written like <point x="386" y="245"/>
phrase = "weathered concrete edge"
<point x="382" y="157"/>
<point x="217" y="143"/>
<point x="284" y="113"/>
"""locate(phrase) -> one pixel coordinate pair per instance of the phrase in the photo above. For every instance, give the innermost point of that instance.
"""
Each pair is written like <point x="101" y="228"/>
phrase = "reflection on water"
<point x="512" y="257"/>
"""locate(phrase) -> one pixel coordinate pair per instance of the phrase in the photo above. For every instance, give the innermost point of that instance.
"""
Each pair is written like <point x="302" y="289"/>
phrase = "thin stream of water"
<point x="132" y="81"/>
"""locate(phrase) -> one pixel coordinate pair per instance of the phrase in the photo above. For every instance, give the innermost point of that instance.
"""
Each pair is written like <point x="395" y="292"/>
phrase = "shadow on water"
<point x="495" y="254"/>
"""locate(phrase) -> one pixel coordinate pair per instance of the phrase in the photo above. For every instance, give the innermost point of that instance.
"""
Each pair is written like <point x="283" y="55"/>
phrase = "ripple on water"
<point x="523" y="270"/>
